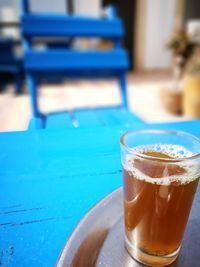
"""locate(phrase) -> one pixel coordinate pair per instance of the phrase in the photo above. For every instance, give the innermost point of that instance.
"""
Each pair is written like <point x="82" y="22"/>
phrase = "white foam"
<point x="175" y="151"/>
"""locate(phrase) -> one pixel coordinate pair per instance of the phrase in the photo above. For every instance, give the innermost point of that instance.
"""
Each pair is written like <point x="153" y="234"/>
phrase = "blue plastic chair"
<point x="74" y="64"/>
<point x="9" y="63"/>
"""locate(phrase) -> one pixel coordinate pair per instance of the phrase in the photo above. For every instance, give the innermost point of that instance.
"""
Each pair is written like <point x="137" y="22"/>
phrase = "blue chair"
<point x="11" y="64"/>
<point x="74" y="64"/>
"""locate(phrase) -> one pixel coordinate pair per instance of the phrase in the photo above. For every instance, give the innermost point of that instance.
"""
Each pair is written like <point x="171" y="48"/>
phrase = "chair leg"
<point x="18" y="84"/>
<point x="122" y="83"/>
<point x="32" y="87"/>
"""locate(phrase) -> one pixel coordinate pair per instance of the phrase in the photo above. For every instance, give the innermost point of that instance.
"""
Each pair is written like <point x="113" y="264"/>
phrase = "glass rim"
<point x="159" y="131"/>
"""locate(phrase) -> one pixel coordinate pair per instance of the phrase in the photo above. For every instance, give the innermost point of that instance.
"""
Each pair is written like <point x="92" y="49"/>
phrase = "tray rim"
<point x="70" y="247"/>
<point x="81" y="222"/>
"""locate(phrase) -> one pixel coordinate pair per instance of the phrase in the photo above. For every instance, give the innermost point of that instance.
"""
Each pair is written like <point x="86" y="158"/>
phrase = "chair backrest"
<point x="62" y="26"/>
<point x="68" y="62"/>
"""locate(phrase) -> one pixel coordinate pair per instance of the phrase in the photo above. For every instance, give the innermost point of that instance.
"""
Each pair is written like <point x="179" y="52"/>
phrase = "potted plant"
<point x="191" y="86"/>
<point x="181" y="47"/>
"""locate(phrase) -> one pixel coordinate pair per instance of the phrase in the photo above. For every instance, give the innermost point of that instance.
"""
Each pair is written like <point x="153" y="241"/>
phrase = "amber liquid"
<point x="156" y="214"/>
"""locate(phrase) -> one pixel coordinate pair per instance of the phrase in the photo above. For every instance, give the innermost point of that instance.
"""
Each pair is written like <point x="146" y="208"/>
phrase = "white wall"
<point x="36" y="6"/>
<point x="160" y="16"/>
<point x="55" y="6"/>
<point x="84" y="7"/>
<point x="87" y="7"/>
<point x="9" y="11"/>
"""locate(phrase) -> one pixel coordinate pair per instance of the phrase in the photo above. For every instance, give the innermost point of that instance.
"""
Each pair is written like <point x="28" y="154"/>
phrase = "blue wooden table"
<point x="49" y="179"/>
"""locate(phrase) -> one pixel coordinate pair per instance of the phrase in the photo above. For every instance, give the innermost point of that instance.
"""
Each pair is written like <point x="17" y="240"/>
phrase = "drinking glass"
<point x="161" y="170"/>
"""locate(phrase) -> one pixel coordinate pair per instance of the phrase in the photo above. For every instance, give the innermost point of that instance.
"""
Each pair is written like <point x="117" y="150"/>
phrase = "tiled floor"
<point x="143" y="92"/>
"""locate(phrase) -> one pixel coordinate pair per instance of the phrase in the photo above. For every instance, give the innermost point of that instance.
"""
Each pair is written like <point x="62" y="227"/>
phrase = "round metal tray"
<point x="98" y="240"/>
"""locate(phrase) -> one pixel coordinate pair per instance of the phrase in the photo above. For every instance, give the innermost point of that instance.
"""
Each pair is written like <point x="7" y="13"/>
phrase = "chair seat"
<point x="83" y="118"/>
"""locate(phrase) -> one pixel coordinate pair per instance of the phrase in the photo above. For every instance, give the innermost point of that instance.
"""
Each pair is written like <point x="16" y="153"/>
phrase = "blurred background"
<point x="163" y="43"/>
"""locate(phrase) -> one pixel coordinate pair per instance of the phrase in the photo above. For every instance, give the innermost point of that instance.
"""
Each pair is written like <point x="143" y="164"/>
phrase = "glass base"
<point x="150" y="260"/>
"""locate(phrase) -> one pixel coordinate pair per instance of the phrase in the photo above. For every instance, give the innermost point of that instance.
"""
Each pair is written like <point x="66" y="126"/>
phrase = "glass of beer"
<point x="161" y="170"/>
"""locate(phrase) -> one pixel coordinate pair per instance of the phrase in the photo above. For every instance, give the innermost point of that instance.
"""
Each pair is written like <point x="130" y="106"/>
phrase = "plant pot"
<point x="191" y="96"/>
<point x="172" y="99"/>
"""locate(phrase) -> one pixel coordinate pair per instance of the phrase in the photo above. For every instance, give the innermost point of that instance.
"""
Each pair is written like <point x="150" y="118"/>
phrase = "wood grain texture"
<point x="49" y="179"/>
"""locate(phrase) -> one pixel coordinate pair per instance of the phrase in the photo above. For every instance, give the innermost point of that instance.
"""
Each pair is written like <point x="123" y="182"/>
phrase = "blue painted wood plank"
<point x="58" y="176"/>
<point x="119" y="115"/>
<point x="70" y="26"/>
<point x="87" y="118"/>
<point x="33" y="91"/>
<point x="24" y="6"/>
<point x="58" y="120"/>
<point x="36" y="123"/>
<point x="125" y="116"/>
<point x="41" y="147"/>
<point x="50" y="148"/>
<point x="76" y="74"/>
<point x="63" y="60"/>
<point x="106" y="116"/>
<point x="38" y="228"/>
<point x="50" y="155"/>
<point x="111" y="11"/>
<point x="123" y="90"/>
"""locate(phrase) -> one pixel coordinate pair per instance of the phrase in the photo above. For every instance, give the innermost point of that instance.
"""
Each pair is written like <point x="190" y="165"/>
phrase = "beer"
<point x="158" y="195"/>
